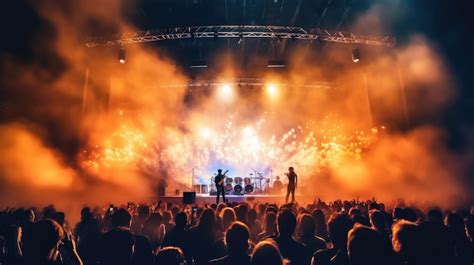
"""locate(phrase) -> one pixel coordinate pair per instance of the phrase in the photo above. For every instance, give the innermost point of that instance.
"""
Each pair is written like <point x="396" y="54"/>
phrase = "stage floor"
<point x="209" y="199"/>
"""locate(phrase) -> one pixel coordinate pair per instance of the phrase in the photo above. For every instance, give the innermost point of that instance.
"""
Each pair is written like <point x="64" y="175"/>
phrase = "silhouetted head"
<point x="398" y="214"/>
<point x="41" y="241"/>
<point x="286" y="223"/>
<point x="291" y="169"/>
<point x="374" y="206"/>
<point x="378" y="220"/>
<point x="219" y="170"/>
<point x="59" y="217"/>
<point x="322" y="257"/>
<point x="354" y="211"/>
<point x="155" y="219"/>
<point x="86" y="213"/>
<point x="405" y="240"/>
<point x="455" y="223"/>
<point x="30" y="215"/>
<point x="207" y="220"/>
<point x="251" y="216"/>
<point x="181" y="220"/>
<point x="410" y="214"/>
<point x="339" y="226"/>
<point x="366" y="246"/>
<point x="170" y="256"/>
<point x="117" y="247"/>
<point x="228" y="217"/>
<point x="306" y="225"/>
<point x="241" y="212"/>
<point x="167" y="217"/>
<point x="121" y="217"/>
<point x="266" y="252"/>
<point x="318" y="216"/>
<point x="270" y="221"/>
<point x="435" y="215"/>
<point x="237" y="238"/>
<point x="143" y="212"/>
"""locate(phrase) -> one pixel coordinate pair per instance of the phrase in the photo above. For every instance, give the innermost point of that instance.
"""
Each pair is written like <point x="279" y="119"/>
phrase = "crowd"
<point x="336" y="233"/>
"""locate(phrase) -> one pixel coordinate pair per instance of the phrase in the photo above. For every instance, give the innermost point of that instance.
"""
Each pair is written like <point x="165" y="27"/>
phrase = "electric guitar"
<point x="219" y="180"/>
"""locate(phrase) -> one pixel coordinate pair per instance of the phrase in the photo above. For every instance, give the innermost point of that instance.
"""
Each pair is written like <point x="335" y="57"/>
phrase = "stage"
<point x="209" y="199"/>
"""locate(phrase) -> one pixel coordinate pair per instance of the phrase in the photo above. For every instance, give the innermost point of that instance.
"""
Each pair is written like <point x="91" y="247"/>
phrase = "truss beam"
<point x="278" y="32"/>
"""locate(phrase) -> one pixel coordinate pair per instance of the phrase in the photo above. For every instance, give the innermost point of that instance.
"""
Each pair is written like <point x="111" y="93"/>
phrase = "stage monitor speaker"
<point x="189" y="197"/>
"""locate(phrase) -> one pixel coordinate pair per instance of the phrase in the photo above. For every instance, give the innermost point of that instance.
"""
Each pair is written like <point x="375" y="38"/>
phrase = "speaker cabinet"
<point x="189" y="197"/>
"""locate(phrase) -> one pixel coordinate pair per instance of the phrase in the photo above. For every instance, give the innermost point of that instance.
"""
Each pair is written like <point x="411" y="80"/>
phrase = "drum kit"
<point x="253" y="184"/>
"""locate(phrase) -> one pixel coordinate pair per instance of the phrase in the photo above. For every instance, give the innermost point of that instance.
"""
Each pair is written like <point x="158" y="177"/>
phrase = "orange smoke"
<point x="132" y="131"/>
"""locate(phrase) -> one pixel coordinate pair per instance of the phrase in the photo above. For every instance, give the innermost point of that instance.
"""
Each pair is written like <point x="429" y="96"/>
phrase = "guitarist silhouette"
<point x="219" y="181"/>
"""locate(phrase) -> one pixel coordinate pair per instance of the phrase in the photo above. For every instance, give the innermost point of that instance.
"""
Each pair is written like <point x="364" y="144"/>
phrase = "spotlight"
<point x="226" y="89"/>
<point x="225" y="92"/>
<point x="247" y="131"/>
<point x="121" y="55"/>
<point x="205" y="133"/>
<point x="355" y="55"/>
<point x="272" y="90"/>
<point x="276" y="64"/>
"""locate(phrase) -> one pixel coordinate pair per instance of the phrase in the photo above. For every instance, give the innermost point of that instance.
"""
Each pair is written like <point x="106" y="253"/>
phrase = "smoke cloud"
<point x="85" y="129"/>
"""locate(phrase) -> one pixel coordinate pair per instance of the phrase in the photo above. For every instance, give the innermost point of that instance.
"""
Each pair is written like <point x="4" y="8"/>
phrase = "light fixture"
<point x="272" y="90"/>
<point x="225" y="92"/>
<point x="198" y="64"/>
<point x="121" y="55"/>
<point x="355" y="54"/>
<point x="241" y="38"/>
<point x="276" y="64"/>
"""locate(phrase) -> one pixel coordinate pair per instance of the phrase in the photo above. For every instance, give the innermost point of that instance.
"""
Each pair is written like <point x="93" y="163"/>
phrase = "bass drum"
<point x="238" y="189"/>
<point x="248" y="188"/>
<point x="238" y="181"/>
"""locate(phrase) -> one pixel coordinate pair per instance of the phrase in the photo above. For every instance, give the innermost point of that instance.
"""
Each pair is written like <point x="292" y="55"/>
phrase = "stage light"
<point x="241" y="38"/>
<point x="247" y="131"/>
<point x="205" y="133"/>
<point x="199" y="64"/>
<point x="276" y="64"/>
<point x="121" y="55"/>
<point x="355" y="55"/>
<point x="225" y="92"/>
<point x="272" y="90"/>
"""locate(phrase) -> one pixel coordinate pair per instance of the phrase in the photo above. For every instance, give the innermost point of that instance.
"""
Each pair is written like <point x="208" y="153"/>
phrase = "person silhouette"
<point x="292" y="250"/>
<point x="170" y="256"/>
<point x="237" y="241"/>
<point x="219" y="181"/>
<point x="143" y="253"/>
<point x="117" y="247"/>
<point x="292" y="183"/>
<point x="266" y="252"/>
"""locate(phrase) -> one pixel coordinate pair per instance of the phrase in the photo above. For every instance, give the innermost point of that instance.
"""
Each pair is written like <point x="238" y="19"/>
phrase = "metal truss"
<point x="246" y="82"/>
<point x="278" y="32"/>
